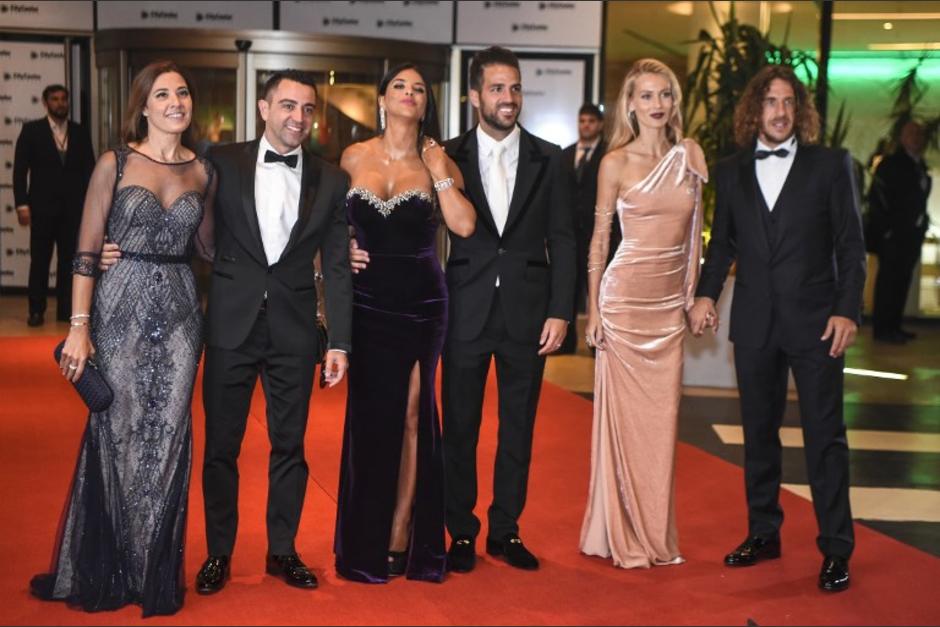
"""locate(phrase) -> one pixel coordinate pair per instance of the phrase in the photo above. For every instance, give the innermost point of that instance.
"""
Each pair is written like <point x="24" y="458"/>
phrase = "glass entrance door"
<point x="346" y="105"/>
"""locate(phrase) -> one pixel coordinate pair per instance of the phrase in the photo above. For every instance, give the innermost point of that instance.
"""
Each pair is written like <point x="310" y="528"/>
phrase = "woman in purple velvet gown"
<point x="390" y="517"/>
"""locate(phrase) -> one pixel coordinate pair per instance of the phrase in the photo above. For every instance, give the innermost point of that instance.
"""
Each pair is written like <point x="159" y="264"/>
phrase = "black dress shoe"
<point x="834" y="575"/>
<point x="462" y="556"/>
<point x="513" y="551"/>
<point x="291" y="569"/>
<point x="35" y="320"/>
<point x="910" y="335"/>
<point x="753" y="550"/>
<point x="891" y="337"/>
<point x="213" y="574"/>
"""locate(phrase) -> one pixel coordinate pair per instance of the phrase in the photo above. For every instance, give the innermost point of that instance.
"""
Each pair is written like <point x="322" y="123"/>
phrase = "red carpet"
<point x="41" y="420"/>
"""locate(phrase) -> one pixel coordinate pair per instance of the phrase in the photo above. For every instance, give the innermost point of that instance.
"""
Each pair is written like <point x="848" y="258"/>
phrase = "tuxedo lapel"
<point x="529" y="171"/>
<point x="309" y="186"/>
<point x="467" y="159"/>
<point x="752" y="203"/>
<point x="246" y="174"/>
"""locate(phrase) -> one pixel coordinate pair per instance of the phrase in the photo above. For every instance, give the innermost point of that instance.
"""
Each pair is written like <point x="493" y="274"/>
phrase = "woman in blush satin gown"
<point x="390" y="512"/>
<point x="651" y="179"/>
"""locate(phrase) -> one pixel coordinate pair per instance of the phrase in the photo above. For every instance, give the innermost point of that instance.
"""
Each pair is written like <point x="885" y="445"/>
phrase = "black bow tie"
<point x="272" y="157"/>
<point x="763" y="154"/>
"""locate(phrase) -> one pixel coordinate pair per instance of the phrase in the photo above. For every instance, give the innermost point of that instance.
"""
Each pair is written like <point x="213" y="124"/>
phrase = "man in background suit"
<point x="898" y="205"/>
<point x="56" y="156"/>
<point x="511" y="287"/>
<point x="582" y="160"/>
<point x="787" y="212"/>
<point x="277" y="205"/>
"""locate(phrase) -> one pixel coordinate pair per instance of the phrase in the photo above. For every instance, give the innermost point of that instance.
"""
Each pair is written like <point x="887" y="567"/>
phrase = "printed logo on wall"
<point x="555" y="24"/>
<point x="249" y="15"/>
<point x="430" y="22"/>
<point x="69" y="16"/>
<point x="27" y="68"/>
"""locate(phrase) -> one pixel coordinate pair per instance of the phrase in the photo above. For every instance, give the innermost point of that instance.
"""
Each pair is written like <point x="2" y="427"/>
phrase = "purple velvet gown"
<point x="399" y="320"/>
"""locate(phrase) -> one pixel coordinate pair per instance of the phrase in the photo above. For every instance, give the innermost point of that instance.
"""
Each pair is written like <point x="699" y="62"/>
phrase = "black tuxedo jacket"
<point x="811" y="267"/>
<point x="584" y="192"/>
<point x="241" y="275"/>
<point x="535" y="256"/>
<point x="52" y="184"/>
<point x="897" y="202"/>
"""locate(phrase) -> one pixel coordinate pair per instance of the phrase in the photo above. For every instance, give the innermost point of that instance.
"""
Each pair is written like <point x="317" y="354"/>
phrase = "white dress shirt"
<point x="510" y="158"/>
<point x="772" y="172"/>
<point x="277" y="199"/>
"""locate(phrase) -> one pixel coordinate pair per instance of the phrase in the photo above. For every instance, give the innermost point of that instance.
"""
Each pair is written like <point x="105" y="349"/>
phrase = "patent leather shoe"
<point x="35" y="320"/>
<point x="511" y="548"/>
<point x="753" y="550"/>
<point x="462" y="557"/>
<point x="834" y="575"/>
<point x="397" y="563"/>
<point x="293" y="571"/>
<point x="214" y="573"/>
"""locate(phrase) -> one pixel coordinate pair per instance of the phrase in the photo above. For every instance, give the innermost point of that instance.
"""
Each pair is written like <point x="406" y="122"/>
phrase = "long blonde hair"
<point x="626" y="129"/>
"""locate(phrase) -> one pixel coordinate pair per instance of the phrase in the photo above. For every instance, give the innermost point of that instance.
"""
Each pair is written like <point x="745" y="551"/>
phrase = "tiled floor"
<point x="894" y="431"/>
<point x="894" y="424"/>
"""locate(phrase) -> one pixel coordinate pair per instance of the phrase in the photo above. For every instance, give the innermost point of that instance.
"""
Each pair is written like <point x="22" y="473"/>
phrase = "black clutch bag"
<point x="323" y="341"/>
<point x="94" y="390"/>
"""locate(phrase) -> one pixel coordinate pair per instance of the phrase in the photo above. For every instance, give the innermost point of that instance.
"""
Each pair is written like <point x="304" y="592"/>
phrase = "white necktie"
<point x="497" y="192"/>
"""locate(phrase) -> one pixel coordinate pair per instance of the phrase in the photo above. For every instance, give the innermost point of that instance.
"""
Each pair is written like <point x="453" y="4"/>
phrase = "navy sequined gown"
<point x="399" y="320"/>
<point x="122" y="537"/>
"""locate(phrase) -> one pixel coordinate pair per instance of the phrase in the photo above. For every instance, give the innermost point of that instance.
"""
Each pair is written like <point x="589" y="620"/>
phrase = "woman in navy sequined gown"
<point x="125" y="521"/>
<point x="390" y="518"/>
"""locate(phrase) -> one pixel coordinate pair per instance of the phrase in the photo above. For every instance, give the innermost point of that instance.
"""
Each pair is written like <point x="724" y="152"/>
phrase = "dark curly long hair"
<point x="747" y="115"/>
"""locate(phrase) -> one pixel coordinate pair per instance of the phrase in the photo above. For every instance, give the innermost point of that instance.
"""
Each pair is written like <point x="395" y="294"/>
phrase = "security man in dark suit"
<point x="55" y="156"/>
<point x="898" y="207"/>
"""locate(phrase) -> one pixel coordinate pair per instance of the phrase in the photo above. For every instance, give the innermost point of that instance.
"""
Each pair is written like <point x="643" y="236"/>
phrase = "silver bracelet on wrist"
<point x="443" y="184"/>
<point x="78" y="316"/>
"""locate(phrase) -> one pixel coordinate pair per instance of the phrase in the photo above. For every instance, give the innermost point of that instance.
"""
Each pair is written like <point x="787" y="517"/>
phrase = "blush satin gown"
<point x="644" y="295"/>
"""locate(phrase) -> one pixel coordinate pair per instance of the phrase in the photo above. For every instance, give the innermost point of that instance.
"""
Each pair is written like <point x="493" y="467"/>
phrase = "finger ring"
<point x="73" y="367"/>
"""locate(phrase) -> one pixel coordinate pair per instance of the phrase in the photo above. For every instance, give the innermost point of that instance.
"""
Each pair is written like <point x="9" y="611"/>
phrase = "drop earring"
<point x="381" y="118"/>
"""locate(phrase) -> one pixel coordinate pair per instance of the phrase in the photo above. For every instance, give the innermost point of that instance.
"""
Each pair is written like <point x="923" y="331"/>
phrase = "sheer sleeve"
<point x="91" y="235"/>
<point x="204" y="240"/>
<point x="600" y="238"/>
<point x="698" y="172"/>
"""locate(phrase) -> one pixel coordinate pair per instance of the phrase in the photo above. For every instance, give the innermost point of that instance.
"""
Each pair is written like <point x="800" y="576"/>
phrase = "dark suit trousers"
<point x="519" y="381"/>
<point x="50" y="229"/>
<point x="897" y="258"/>
<point x="762" y="382"/>
<point x="228" y="383"/>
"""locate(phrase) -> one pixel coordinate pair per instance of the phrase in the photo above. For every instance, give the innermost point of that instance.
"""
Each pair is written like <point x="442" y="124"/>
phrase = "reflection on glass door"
<point x="346" y="104"/>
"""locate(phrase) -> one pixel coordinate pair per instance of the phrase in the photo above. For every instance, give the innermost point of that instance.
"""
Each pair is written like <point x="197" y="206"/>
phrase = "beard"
<point x="59" y="113"/>
<point x="493" y="119"/>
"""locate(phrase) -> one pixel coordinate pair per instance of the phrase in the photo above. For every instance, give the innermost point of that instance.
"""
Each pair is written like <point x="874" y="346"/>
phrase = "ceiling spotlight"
<point x="887" y="25"/>
<point x="680" y="8"/>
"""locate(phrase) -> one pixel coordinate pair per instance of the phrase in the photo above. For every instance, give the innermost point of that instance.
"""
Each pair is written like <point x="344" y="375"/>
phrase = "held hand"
<point x="75" y="353"/>
<point x="842" y="330"/>
<point x="434" y="158"/>
<point x="358" y="258"/>
<point x="335" y="364"/>
<point x="110" y="255"/>
<point x="22" y="215"/>
<point x="553" y="332"/>
<point x="702" y="315"/>
<point x="594" y="333"/>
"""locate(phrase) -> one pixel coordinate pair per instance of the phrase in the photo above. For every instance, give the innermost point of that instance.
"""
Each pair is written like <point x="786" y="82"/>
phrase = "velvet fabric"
<point x="399" y="320"/>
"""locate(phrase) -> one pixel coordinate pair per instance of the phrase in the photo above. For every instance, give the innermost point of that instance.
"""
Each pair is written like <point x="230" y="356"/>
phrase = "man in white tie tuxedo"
<point x="277" y="206"/>
<point x="511" y="288"/>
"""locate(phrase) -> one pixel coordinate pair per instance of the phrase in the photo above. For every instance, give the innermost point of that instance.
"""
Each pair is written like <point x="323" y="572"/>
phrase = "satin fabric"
<point x="644" y="295"/>
<point x="399" y="320"/>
